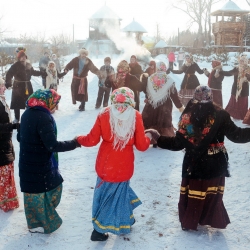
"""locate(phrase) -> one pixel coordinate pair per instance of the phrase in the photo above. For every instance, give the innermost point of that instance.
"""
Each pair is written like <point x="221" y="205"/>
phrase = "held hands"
<point x="16" y="125"/>
<point x="154" y="134"/>
<point x="78" y="145"/>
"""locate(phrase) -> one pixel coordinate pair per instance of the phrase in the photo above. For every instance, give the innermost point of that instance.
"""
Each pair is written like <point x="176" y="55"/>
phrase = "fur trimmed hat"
<point x="83" y="50"/>
<point x="20" y="54"/>
<point x="107" y="59"/>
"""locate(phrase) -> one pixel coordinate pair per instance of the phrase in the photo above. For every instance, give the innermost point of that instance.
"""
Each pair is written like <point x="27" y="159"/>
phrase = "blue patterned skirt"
<point x="113" y="206"/>
<point x="40" y="210"/>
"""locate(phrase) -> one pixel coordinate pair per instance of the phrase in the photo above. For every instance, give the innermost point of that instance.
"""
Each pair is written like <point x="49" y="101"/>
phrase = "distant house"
<point x="160" y="48"/>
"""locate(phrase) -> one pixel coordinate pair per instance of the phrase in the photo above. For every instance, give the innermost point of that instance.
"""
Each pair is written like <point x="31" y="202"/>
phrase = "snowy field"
<point x="156" y="181"/>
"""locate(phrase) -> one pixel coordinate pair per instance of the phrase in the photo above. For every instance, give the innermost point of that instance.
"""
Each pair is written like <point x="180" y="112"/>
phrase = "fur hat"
<point x="51" y="62"/>
<point x="107" y="59"/>
<point x="83" y="50"/>
<point x="202" y="94"/>
<point x="133" y="56"/>
<point x="20" y="54"/>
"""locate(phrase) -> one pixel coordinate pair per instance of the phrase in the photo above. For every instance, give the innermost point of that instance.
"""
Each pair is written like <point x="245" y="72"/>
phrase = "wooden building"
<point x="230" y="26"/>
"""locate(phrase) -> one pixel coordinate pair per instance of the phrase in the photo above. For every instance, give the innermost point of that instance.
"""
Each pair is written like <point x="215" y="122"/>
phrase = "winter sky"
<point x="39" y="17"/>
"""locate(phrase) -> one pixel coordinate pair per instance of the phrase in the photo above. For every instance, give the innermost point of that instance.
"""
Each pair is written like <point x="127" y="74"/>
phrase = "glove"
<point x="154" y="134"/>
<point x="16" y="125"/>
<point x="66" y="71"/>
<point x="78" y="145"/>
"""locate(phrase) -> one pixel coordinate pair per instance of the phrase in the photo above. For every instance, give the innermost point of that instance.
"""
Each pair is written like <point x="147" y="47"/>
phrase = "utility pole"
<point x="178" y="37"/>
<point x="73" y="33"/>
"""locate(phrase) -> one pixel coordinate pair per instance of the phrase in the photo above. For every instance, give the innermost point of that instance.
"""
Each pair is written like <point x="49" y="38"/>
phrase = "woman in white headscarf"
<point x="161" y="92"/>
<point x="120" y="127"/>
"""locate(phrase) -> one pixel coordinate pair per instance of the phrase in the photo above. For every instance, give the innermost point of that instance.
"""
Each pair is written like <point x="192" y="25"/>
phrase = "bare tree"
<point x="59" y="41"/>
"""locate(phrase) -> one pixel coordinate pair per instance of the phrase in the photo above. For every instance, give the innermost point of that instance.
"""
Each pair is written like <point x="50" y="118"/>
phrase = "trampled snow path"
<point x="156" y="181"/>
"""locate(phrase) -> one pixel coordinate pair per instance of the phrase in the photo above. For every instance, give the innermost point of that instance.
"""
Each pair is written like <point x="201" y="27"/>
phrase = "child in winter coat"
<point x="52" y="77"/>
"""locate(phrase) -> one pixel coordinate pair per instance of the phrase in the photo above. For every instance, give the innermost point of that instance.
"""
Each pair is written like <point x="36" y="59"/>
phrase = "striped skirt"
<point x="40" y="210"/>
<point x="8" y="194"/>
<point x="201" y="203"/>
<point x="113" y="206"/>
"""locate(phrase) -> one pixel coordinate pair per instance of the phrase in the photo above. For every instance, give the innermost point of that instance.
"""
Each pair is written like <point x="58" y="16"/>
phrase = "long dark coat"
<point x="136" y="85"/>
<point x="89" y="66"/>
<point x="135" y="69"/>
<point x="190" y="80"/>
<point x="38" y="141"/>
<point x="7" y="154"/>
<point x="22" y="87"/>
<point x="197" y="163"/>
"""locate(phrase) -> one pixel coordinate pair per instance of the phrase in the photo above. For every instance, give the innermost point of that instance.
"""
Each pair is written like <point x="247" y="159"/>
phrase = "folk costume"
<point x="22" y="87"/>
<point x="120" y="126"/>
<point x="40" y="179"/>
<point x="8" y="193"/>
<point x="205" y="163"/>
<point x="161" y="92"/>
<point x="79" y="85"/>
<point x="215" y="82"/>
<point x="190" y="80"/>
<point x="237" y="106"/>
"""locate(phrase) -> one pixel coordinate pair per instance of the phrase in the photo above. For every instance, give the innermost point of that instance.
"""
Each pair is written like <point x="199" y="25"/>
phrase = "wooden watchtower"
<point x="229" y="27"/>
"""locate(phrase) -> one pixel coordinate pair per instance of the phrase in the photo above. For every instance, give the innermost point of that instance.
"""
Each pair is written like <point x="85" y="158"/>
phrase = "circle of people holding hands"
<point x="201" y="130"/>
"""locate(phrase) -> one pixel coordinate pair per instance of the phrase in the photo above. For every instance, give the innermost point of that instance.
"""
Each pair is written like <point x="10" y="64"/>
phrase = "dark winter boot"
<point x="96" y="236"/>
<point x="82" y="106"/>
<point x="154" y="145"/>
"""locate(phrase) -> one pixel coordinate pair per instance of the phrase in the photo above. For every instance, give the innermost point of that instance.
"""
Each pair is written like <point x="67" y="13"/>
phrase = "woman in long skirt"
<point x="238" y="104"/>
<point x="8" y="193"/>
<point x="161" y="92"/>
<point x="201" y="131"/>
<point x="40" y="179"/>
<point x="215" y="82"/>
<point x="190" y="80"/>
<point x="120" y="126"/>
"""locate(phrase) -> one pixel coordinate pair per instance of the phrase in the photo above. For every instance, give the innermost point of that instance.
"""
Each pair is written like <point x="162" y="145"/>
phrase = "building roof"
<point x="134" y="27"/>
<point x="105" y="13"/>
<point x="161" y="44"/>
<point x="230" y="8"/>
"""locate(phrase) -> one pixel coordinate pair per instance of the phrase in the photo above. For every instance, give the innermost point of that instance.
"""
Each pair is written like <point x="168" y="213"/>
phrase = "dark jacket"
<point x="89" y="66"/>
<point x="22" y="87"/>
<point x="190" y="80"/>
<point x="37" y="142"/>
<point x="43" y="63"/>
<point x="135" y="69"/>
<point x="216" y="82"/>
<point x="245" y="86"/>
<point x="7" y="154"/>
<point x="136" y="85"/>
<point x="197" y="163"/>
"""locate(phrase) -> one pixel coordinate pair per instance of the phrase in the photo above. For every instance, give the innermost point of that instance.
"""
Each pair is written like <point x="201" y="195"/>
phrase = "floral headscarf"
<point x="47" y="98"/>
<point x="159" y="85"/>
<point x="122" y="116"/>
<point x="202" y="94"/>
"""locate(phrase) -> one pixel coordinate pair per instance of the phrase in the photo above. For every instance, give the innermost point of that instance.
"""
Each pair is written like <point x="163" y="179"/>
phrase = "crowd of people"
<point x="119" y="126"/>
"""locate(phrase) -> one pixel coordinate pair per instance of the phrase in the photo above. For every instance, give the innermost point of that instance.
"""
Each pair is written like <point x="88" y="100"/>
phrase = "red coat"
<point x="112" y="165"/>
<point x="171" y="57"/>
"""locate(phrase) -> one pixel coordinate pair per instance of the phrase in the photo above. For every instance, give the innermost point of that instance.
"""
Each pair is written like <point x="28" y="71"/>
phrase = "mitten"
<point x="78" y="145"/>
<point x="15" y="125"/>
<point x="154" y="133"/>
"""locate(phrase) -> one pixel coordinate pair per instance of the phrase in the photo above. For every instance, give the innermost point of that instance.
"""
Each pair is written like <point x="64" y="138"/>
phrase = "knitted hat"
<point x="20" y="54"/>
<point x="216" y="63"/>
<point x="20" y="48"/>
<point x="133" y="56"/>
<point x="51" y="62"/>
<point x="123" y="65"/>
<point x="202" y="94"/>
<point x="107" y="59"/>
<point x="83" y="50"/>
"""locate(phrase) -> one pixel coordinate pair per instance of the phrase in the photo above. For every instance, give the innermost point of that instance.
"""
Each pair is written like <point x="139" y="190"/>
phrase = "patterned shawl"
<point x="159" y="86"/>
<point x="122" y="116"/>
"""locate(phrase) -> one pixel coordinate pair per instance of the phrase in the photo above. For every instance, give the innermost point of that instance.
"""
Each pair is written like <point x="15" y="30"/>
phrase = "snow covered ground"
<point x="156" y="181"/>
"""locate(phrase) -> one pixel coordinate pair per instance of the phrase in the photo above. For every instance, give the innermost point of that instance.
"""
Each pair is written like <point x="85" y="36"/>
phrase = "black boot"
<point x="154" y="145"/>
<point x="82" y="106"/>
<point x="96" y="236"/>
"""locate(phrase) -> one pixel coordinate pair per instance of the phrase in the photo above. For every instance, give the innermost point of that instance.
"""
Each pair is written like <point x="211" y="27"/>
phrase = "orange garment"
<point x="112" y="165"/>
